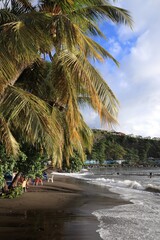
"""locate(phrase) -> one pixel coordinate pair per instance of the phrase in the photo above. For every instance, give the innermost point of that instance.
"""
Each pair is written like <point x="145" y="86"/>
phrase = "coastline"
<point x="55" y="211"/>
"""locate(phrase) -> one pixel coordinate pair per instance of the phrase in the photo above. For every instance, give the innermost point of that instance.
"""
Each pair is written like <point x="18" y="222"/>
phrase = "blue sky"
<point x="136" y="83"/>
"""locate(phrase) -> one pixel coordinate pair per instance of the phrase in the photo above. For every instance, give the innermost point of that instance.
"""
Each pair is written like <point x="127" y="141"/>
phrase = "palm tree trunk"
<point x="5" y="188"/>
<point x="15" y="180"/>
<point x="5" y="84"/>
<point x="11" y="82"/>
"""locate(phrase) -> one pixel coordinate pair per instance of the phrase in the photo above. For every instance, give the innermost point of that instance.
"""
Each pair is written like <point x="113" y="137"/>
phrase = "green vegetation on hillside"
<point x="136" y="151"/>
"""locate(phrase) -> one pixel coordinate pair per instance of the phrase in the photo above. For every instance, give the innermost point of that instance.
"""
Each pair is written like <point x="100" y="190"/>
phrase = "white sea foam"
<point x="153" y="188"/>
<point x="137" y="221"/>
<point x="74" y="175"/>
<point x="140" y="220"/>
<point x="117" y="183"/>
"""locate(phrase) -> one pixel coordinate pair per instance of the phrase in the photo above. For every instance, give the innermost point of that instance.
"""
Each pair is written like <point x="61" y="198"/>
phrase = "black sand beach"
<point x="61" y="210"/>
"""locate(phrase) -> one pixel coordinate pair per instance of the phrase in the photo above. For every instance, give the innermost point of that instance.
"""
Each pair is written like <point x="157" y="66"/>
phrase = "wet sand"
<point x="61" y="210"/>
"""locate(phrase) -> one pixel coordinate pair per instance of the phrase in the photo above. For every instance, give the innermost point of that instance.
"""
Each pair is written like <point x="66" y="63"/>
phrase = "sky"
<point x="136" y="83"/>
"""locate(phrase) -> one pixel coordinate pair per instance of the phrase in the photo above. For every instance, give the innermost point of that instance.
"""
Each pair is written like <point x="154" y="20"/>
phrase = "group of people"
<point x="25" y="182"/>
<point x="15" y="179"/>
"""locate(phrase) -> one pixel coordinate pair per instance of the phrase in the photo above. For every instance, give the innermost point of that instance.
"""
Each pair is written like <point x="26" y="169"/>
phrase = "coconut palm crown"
<point x="46" y="73"/>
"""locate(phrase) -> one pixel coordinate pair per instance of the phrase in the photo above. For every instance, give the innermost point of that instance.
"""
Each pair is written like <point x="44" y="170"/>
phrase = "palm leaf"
<point x="6" y="17"/>
<point x="90" y="84"/>
<point x="25" y="3"/>
<point x="70" y="36"/>
<point x="26" y="38"/>
<point x="6" y="137"/>
<point x="93" y="49"/>
<point x="97" y="10"/>
<point x="32" y="118"/>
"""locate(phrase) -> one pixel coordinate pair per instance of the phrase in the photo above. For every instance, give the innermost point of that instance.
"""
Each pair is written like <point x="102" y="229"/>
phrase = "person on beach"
<point x="24" y="185"/>
<point x="150" y="174"/>
<point x="38" y="180"/>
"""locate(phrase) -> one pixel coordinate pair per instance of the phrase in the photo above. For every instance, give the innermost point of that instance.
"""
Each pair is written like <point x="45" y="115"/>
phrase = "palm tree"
<point x="46" y="97"/>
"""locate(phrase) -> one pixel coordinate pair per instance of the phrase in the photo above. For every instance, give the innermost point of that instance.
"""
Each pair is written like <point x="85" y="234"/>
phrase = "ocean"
<point x="138" y="220"/>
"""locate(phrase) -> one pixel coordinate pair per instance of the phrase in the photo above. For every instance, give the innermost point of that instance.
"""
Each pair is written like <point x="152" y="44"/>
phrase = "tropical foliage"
<point x="46" y="74"/>
<point x="29" y="163"/>
<point x="75" y="164"/>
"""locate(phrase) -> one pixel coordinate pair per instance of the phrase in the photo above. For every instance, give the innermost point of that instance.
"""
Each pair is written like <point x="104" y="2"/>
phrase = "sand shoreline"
<point x="59" y="210"/>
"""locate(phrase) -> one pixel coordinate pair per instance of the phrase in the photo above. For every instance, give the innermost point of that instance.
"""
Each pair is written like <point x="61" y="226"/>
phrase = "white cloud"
<point x="141" y="114"/>
<point x="115" y="48"/>
<point x="137" y="82"/>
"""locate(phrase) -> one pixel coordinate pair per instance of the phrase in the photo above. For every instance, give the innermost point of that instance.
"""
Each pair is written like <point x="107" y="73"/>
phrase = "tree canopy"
<point x="46" y="74"/>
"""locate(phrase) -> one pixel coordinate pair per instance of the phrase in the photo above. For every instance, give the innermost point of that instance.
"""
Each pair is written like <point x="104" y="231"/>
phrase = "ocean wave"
<point x="133" y="184"/>
<point x="117" y="183"/>
<point x="152" y="188"/>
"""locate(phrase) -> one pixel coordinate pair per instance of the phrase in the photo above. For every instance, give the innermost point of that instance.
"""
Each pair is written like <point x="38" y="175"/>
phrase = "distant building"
<point x="147" y="137"/>
<point x="92" y="162"/>
<point x="118" y="133"/>
<point x="109" y="161"/>
<point x="138" y="136"/>
<point x="119" y="161"/>
<point x="131" y="135"/>
<point x="156" y="138"/>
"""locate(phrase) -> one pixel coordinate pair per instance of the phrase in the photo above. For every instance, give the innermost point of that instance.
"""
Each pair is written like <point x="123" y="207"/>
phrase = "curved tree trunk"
<point x="11" y="82"/>
<point x="15" y="180"/>
<point x="5" y="188"/>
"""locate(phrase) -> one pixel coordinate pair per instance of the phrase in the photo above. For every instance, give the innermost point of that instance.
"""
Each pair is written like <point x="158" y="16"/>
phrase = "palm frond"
<point x="93" y="49"/>
<point x="6" y="17"/>
<point x="25" y="3"/>
<point x="90" y="84"/>
<point x="34" y="79"/>
<point x="78" y="139"/>
<point x="26" y="42"/>
<point x="7" y="139"/>
<point x="70" y="36"/>
<point x="31" y="117"/>
<point x="98" y="10"/>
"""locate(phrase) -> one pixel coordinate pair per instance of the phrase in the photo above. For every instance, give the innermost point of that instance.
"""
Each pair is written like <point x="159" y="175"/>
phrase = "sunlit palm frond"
<point x="31" y="117"/>
<point x="77" y="140"/>
<point x="8" y="140"/>
<point x="93" y="49"/>
<point x="86" y="136"/>
<point x="63" y="32"/>
<point x="76" y="132"/>
<point x="27" y="39"/>
<point x="70" y="36"/>
<point x="89" y="83"/>
<point x="98" y="10"/>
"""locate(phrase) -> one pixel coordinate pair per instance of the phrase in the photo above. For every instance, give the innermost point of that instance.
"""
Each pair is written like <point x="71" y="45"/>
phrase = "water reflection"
<point x="35" y="225"/>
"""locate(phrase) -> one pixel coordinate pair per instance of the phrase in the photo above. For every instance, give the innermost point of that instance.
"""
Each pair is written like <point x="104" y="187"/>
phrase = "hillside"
<point x="134" y="149"/>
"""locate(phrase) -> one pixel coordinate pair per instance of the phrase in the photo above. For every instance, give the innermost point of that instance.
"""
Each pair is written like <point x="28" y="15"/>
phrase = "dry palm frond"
<point x="78" y="139"/>
<point x="88" y="83"/>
